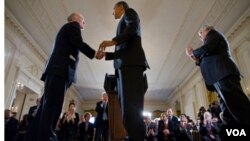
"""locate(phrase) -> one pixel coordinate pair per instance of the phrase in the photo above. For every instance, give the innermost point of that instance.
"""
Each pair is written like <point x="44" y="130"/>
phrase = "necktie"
<point x="86" y="127"/>
<point x="104" y="116"/>
<point x="104" y="106"/>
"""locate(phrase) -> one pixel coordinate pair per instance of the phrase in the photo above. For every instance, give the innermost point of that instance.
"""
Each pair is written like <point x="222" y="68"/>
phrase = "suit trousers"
<point x="102" y="131"/>
<point x="233" y="102"/>
<point x="131" y="98"/>
<point x="44" y="124"/>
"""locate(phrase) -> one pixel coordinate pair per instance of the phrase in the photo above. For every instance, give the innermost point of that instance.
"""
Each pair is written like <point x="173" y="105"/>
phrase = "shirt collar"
<point x="122" y="16"/>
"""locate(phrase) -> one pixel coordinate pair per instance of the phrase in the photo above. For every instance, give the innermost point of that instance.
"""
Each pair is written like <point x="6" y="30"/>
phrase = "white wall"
<point x="239" y="37"/>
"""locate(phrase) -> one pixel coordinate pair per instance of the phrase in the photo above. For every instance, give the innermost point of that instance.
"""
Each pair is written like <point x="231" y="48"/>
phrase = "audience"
<point x="22" y="128"/>
<point x="167" y="127"/>
<point x="10" y="125"/>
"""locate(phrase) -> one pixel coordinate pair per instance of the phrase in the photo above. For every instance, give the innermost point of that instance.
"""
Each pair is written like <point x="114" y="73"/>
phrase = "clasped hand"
<point x="105" y="44"/>
<point x="100" y="53"/>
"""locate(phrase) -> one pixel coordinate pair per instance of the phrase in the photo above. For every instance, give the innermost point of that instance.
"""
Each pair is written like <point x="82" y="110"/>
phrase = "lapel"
<point x="86" y="126"/>
<point x="105" y="107"/>
<point x="118" y="30"/>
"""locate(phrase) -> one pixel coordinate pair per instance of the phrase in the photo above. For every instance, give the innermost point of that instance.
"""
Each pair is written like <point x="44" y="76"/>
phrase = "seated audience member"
<point x="185" y="129"/>
<point x="163" y="130"/>
<point x="173" y="125"/>
<point x="151" y="130"/>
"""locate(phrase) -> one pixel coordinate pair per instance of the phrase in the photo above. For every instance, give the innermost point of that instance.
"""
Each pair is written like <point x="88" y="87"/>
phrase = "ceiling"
<point x="168" y="26"/>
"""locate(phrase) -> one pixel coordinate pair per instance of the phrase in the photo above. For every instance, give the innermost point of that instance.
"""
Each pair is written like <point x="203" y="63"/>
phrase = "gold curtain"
<point x="212" y="96"/>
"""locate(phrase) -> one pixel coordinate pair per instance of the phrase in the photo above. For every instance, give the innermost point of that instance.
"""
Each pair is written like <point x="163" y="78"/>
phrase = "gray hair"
<point x="74" y="17"/>
<point x="206" y="27"/>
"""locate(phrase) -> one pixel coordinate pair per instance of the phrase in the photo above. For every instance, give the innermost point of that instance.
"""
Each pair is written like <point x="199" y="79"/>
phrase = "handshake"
<point x="100" y="53"/>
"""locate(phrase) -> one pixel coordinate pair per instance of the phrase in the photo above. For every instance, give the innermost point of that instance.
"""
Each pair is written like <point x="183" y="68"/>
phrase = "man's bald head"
<point x="76" y="17"/>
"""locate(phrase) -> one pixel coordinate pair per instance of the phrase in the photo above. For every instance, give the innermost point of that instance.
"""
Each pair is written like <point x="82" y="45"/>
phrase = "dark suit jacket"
<point x="128" y="50"/>
<point x="173" y="126"/>
<point x="100" y="110"/>
<point x="31" y="111"/>
<point x="64" y="58"/>
<point x="216" y="61"/>
<point x="161" y="127"/>
<point x="69" y="127"/>
<point x="89" y="134"/>
<point x="10" y="128"/>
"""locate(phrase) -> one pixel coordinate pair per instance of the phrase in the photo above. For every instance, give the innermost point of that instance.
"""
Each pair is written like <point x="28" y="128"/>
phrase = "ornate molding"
<point x="214" y="16"/>
<point x="31" y="44"/>
<point x="40" y="13"/>
<point x="33" y="70"/>
<point x="29" y="80"/>
<point x="221" y="6"/>
<point x="241" y="23"/>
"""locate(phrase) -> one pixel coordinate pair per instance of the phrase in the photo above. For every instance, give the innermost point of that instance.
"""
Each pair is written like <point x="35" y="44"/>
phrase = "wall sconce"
<point x="14" y="109"/>
<point x="19" y="85"/>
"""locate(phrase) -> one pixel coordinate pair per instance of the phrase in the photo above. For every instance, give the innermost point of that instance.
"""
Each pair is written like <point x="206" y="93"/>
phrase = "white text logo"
<point x="236" y="132"/>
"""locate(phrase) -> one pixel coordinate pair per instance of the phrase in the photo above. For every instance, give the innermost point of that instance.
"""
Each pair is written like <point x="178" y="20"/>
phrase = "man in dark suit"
<point x="173" y="125"/>
<point x="59" y="74"/>
<point x="101" y="122"/>
<point x="129" y="63"/>
<point x="33" y="110"/>
<point x="221" y="75"/>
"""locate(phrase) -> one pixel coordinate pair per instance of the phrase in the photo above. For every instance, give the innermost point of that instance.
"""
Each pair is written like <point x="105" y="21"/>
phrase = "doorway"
<point x="23" y="100"/>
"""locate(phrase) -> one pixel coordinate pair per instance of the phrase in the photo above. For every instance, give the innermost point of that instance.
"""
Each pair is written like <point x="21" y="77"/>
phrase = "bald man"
<point x="59" y="74"/>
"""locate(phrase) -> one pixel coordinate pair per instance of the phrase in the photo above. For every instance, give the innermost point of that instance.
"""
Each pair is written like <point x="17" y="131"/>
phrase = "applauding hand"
<point x="189" y="53"/>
